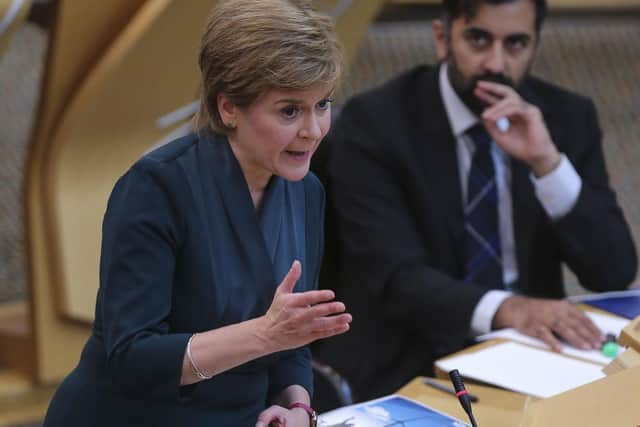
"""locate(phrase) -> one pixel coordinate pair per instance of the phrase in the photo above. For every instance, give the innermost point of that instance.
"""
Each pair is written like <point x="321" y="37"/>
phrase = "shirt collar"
<point x="460" y="117"/>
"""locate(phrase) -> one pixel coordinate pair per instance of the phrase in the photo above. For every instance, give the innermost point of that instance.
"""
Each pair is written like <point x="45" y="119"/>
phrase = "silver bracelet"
<point x="198" y="373"/>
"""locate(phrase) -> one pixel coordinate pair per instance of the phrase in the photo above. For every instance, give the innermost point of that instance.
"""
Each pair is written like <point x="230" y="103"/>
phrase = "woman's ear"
<point x="440" y="37"/>
<point x="227" y="110"/>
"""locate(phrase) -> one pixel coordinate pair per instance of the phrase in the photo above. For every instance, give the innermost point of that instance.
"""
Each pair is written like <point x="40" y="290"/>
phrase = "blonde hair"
<point x="251" y="46"/>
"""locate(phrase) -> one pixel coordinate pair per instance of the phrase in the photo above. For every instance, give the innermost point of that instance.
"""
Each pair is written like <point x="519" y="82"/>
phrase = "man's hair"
<point x="250" y="47"/>
<point x="453" y="9"/>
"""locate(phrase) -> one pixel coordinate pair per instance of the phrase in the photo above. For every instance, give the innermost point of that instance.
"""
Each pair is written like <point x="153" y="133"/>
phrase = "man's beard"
<point x="464" y="88"/>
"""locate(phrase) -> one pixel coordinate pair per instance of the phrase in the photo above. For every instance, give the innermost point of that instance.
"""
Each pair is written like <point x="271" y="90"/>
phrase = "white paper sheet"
<point x="606" y="323"/>
<point x="524" y="369"/>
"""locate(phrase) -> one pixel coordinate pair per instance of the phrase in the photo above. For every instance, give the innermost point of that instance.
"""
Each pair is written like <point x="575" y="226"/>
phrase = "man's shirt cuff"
<point x="485" y="310"/>
<point x="558" y="191"/>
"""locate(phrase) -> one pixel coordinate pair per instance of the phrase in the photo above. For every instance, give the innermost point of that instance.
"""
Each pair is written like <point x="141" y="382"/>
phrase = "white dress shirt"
<point x="557" y="191"/>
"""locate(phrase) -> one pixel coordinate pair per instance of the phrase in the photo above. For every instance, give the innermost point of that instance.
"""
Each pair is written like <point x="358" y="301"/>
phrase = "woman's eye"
<point x="290" y="112"/>
<point x="324" y="104"/>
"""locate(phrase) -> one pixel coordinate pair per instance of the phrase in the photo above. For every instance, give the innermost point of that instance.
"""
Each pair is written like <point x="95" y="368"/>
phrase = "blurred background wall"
<point x="20" y="72"/>
<point x="593" y="51"/>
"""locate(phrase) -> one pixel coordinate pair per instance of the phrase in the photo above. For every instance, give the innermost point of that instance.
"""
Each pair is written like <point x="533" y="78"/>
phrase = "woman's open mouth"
<point x="300" y="156"/>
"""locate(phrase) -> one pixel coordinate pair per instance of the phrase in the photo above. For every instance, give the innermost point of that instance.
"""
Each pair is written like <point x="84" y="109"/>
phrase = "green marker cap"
<point x="610" y="349"/>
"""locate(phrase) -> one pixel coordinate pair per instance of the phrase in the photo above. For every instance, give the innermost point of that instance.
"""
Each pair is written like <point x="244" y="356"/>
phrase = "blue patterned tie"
<point x="484" y="256"/>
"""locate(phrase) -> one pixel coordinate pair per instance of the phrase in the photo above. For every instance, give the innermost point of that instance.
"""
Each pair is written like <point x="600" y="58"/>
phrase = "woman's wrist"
<point x="194" y="367"/>
<point x="304" y="412"/>
<point x="301" y="417"/>
<point x="261" y="333"/>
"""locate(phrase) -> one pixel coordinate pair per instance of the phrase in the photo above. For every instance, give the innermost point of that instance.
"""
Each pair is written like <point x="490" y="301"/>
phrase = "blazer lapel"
<point x="271" y="216"/>
<point x="230" y="182"/>
<point x="437" y="147"/>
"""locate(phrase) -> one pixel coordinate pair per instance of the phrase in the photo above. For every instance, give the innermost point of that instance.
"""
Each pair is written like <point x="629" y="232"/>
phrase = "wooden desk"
<point x="499" y="407"/>
<point x="439" y="373"/>
<point x="495" y="407"/>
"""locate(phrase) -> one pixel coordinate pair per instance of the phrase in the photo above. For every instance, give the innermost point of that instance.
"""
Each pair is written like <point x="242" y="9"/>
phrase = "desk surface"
<point x="495" y="407"/>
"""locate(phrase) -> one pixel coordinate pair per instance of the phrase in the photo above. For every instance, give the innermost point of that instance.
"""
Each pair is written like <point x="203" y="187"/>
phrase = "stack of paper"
<point x="524" y="369"/>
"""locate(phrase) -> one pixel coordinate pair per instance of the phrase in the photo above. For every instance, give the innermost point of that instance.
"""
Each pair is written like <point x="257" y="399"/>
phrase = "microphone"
<point x="462" y="394"/>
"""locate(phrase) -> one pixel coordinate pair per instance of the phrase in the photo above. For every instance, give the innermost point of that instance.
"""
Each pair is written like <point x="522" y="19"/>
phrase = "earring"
<point x="231" y="125"/>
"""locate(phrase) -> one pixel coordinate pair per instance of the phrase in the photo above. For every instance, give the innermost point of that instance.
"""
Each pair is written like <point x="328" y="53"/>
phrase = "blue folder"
<point x="624" y="303"/>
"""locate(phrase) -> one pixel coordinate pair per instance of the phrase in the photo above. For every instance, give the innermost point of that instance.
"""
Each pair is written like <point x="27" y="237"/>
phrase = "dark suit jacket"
<point x="183" y="251"/>
<point x="395" y="189"/>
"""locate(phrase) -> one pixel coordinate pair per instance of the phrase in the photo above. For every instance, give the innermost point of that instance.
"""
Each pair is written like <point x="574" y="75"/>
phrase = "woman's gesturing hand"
<point x="298" y="318"/>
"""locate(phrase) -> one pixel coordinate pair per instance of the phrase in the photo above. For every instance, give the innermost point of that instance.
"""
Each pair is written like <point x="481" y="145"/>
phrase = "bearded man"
<point x="459" y="190"/>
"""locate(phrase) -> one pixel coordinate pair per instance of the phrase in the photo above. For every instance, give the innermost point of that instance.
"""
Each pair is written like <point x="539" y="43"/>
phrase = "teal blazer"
<point x="184" y="251"/>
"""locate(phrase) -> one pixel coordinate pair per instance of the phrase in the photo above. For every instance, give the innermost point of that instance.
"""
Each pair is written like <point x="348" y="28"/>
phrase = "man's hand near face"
<point x="548" y="319"/>
<point x="527" y="138"/>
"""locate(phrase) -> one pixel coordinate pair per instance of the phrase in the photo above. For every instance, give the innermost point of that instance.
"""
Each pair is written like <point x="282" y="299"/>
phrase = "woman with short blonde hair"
<point x="244" y="53"/>
<point x="212" y="243"/>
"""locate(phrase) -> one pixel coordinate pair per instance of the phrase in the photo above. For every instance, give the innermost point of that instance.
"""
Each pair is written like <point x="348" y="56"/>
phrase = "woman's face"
<point x="279" y="132"/>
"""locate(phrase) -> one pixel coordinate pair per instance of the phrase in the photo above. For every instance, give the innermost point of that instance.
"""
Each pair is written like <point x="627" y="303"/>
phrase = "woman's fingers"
<point x="326" y="309"/>
<point x="326" y="333"/>
<point x="333" y="310"/>
<point x="323" y="324"/>
<point x="274" y="414"/>
<point x="297" y="318"/>
<point x="303" y="299"/>
<point x="290" y="280"/>
<point x="309" y="323"/>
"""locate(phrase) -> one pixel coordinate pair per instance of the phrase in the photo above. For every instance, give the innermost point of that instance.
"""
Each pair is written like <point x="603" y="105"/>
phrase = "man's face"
<point x="498" y="45"/>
